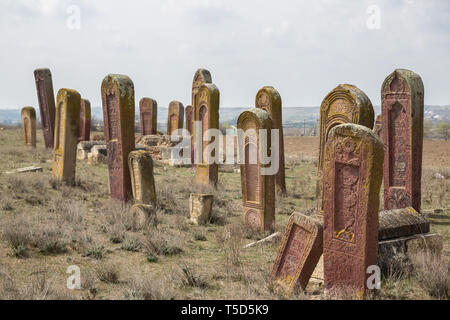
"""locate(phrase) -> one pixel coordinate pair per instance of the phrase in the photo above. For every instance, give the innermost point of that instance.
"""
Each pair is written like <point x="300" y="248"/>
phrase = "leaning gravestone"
<point x="402" y="97"/>
<point x="118" y="117"/>
<point x="66" y="135"/>
<point x="142" y="179"/>
<point x="29" y="126"/>
<point x="46" y="98"/>
<point x="258" y="189"/>
<point x="84" y="133"/>
<point x="148" y="109"/>
<point x="353" y="166"/>
<point x="298" y="254"/>
<point x="269" y="100"/>
<point x="207" y="113"/>
<point x="176" y="117"/>
<point x="345" y="104"/>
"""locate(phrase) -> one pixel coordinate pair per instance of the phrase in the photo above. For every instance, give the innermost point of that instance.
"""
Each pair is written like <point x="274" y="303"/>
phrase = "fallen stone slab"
<point x="25" y="169"/>
<point x="401" y="223"/>
<point x="84" y="148"/>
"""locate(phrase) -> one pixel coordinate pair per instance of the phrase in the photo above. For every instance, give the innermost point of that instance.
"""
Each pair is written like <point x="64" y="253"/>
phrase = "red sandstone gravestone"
<point x="118" y="117"/>
<point x="46" y="98"/>
<point x="84" y="133"/>
<point x="176" y="117"/>
<point x="353" y="168"/>
<point x="402" y="96"/>
<point x="258" y="190"/>
<point x="148" y="113"/>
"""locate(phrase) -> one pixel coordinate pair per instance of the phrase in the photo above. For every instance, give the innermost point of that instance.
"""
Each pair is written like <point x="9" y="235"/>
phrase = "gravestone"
<point x="29" y="126"/>
<point x="206" y="113"/>
<point x="118" y="117"/>
<point x="258" y="190"/>
<point x="200" y="208"/>
<point x="269" y="100"/>
<point x="298" y="254"/>
<point x="149" y="116"/>
<point x="353" y="166"/>
<point x="402" y="100"/>
<point x="378" y="129"/>
<point x="201" y="77"/>
<point x="67" y="122"/>
<point x="344" y="104"/>
<point x="84" y="133"/>
<point x="142" y="179"/>
<point x="143" y="215"/>
<point x="189" y="115"/>
<point x="46" y="98"/>
<point x="176" y="117"/>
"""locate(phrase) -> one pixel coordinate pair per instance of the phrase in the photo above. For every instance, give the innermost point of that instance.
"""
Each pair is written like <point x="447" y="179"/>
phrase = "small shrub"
<point x="108" y="273"/>
<point x="433" y="274"/>
<point x="95" y="252"/>
<point x="133" y="245"/>
<point x="189" y="278"/>
<point x="159" y="243"/>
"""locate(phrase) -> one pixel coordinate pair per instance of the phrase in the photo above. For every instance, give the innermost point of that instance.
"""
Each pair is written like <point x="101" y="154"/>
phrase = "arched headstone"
<point x="149" y="116"/>
<point x="176" y="117"/>
<point x="46" y="98"/>
<point x="29" y="126"/>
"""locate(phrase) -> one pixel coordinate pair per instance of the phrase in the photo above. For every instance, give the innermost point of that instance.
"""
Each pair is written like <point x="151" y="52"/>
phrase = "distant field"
<point x="46" y="227"/>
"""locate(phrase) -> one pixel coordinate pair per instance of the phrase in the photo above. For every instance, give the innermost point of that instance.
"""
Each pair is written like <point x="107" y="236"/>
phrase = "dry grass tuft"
<point x="433" y="274"/>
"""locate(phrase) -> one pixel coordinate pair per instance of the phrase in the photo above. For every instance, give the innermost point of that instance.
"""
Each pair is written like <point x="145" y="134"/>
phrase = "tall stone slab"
<point x="29" y="126"/>
<point x="67" y="121"/>
<point x="142" y="179"/>
<point x="84" y="133"/>
<point x="353" y="166"/>
<point x="149" y="116"/>
<point x="378" y="129"/>
<point x="118" y="117"/>
<point x="269" y="100"/>
<point x="175" y="120"/>
<point x="189" y="116"/>
<point x="207" y="113"/>
<point x="258" y="190"/>
<point x="402" y="103"/>
<point x="201" y="77"/>
<point x="298" y="254"/>
<point x="344" y="104"/>
<point x="46" y="98"/>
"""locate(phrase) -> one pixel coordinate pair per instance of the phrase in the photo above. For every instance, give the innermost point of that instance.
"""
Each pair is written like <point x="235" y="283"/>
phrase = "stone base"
<point x="143" y="216"/>
<point x="200" y="208"/>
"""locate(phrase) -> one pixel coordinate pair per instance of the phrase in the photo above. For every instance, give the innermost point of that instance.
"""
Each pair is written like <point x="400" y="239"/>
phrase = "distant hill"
<point x="292" y="117"/>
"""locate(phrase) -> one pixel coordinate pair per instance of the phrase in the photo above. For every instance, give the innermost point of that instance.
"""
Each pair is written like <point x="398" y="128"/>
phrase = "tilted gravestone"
<point x="402" y="99"/>
<point x="344" y="104"/>
<point x="84" y="133"/>
<point x="29" y="126"/>
<point x="46" y="98"/>
<point x="142" y="179"/>
<point x="118" y="117"/>
<point x="149" y="116"/>
<point x="298" y="254"/>
<point x="258" y="190"/>
<point x="353" y="166"/>
<point x="67" y="122"/>
<point x="207" y="113"/>
<point x="176" y="117"/>
<point x="269" y="100"/>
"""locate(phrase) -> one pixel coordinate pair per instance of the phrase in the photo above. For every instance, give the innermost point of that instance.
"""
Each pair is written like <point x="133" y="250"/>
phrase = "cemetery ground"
<point x="47" y="226"/>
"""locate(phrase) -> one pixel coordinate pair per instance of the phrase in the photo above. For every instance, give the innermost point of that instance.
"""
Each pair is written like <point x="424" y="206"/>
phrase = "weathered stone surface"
<point x="66" y="135"/>
<point x="176" y="117"/>
<point x="269" y="100"/>
<point x="402" y="100"/>
<point x="142" y="179"/>
<point x="149" y="116"/>
<point x="29" y="126"/>
<point x="344" y="104"/>
<point x="46" y="98"/>
<point x="353" y="166"/>
<point x="200" y="208"/>
<point x="84" y="133"/>
<point x="258" y="190"/>
<point x="143" y="215"/>
<point x="201" y="77"/>
<point x="395" y="254"/>
<point x="84" y="148"/>
<point x="298" y="254"/>
<point x="378" y="129"/>
<point x="98" y="155"/>
<point x="206" y="112"/>
<point x="189" y="116"/>
<point x="118" y="117"/>
<point x="398" y="223"/>
<point x="151" y="140"/>
<point x="25" y="170"/>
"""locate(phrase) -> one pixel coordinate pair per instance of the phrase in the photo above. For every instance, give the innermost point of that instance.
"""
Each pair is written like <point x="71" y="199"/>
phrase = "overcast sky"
<point x="302" y="48"/>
